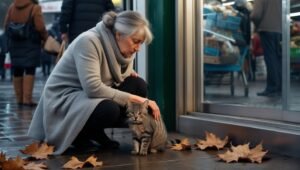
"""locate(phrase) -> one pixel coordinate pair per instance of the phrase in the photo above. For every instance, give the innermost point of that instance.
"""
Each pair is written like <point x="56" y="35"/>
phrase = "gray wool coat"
<point x="78" y="83"/>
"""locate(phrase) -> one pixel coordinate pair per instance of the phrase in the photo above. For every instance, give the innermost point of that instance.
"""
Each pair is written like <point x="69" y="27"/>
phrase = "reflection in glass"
<point x="295" y="56"/>
<point x="229" y="31"/>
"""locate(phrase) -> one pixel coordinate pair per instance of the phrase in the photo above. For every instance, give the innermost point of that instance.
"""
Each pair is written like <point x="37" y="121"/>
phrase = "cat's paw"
<point x="143" y="153"/>
<point x="134" y="152"/>
<point x="153" y="151"/>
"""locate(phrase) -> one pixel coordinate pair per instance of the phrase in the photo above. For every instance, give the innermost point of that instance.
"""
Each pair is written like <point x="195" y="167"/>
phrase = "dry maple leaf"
<point x="183" y="145"/>
<point x="2" y="158"/>
<point x="13" y="164"/>
<point x="211" y="141"/>
<point x="35" y="166"/>
<point x="93" y="161"/>
<point x="244" y="152"/>
<point x="74" y="163"/>
<point x="256" y="154"/>
<point x="228" y="156"/>
<point x="38" y="151"/>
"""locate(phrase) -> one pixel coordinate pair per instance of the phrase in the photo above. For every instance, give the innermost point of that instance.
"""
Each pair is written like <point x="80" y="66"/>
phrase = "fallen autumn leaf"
<point x="38" y="151"/>
<point x="211" y="140"/>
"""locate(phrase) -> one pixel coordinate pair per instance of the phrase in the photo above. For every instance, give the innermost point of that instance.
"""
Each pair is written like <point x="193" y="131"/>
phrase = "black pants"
<point x="2" y="70"/>
<point x="20" y="71"/>
<point x="272" y="54"/>
<point x="109" y="114"/>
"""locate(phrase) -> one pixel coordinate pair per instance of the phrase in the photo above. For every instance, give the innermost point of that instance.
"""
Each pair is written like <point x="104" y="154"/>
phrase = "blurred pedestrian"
<point x="263" y="14"/>
<point x="46" y="61"/>
<point x="244" y="10"/>
<point x="25" y="52"/>
<point x="244" y="13"/>
<point x="3" y="51"/>
<point x="80" y="15"/>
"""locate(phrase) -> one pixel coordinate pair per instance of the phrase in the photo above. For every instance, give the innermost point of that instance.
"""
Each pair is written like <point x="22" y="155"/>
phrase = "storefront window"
<point x="250" y="58"/>
<point x="294" y="47"/>
<point x="235" y="69"/>
<point x="236" y="77"/>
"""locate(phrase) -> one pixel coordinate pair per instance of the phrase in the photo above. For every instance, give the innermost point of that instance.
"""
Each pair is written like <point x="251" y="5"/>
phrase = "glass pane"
<point x="237" y="56"/>
<point x="295" y="56"/>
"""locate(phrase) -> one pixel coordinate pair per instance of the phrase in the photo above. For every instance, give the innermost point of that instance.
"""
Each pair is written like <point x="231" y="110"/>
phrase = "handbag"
<point x="52" y="45"/>
<point x="61" y="50"/>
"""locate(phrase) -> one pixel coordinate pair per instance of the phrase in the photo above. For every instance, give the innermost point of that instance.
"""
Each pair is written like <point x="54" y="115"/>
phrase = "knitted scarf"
<point x="120" y="67"/>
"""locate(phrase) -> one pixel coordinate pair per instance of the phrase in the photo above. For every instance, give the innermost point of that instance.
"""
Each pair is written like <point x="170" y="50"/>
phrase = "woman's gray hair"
<point x="128" y="23"/>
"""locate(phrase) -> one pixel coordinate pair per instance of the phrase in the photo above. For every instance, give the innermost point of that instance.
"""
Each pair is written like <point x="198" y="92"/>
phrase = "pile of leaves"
<point x="234" y="154"/>
<point x="38" y="152"/>
<point x="211" y="141"/>
<point x="41" y="151"/>
<point x="243" y="152"/>
<point x="19" y="164"/>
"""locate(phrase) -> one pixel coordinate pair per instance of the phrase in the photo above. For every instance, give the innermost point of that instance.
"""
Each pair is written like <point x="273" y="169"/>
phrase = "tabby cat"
<point x="149" y="135"/>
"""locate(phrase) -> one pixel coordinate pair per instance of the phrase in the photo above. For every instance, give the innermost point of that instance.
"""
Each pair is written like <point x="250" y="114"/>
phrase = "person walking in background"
<point x="46" y="62"/>
<point x="3" y="50"/>
<point x="80" y="15"/>
<point x="25" y="53"/>
<point x="265" y="17"/>
<point x="244" y="9"/>
<point x="54" y="30"/>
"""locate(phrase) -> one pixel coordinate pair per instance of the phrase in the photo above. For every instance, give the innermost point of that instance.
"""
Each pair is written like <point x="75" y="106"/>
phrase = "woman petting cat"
<point x="89" y="87"/>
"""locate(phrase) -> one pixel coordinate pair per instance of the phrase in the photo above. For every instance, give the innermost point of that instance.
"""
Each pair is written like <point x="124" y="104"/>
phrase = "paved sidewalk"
<point x="14" y="122"/>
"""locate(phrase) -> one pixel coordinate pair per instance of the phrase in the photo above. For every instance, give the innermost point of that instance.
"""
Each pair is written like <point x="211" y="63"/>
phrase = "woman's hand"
<point x="152" y="105"/>
<point x="155" y="109"/>
<point x="64" y="36"/>
<point x="134" y="74"/>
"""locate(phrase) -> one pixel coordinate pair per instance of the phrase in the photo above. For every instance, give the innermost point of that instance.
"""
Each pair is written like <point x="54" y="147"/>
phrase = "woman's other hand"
<point x="134" y="74"/>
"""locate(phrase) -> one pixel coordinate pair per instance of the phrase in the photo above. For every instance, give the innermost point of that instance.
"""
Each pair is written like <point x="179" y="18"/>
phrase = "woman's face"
<point x="128" y="45"/>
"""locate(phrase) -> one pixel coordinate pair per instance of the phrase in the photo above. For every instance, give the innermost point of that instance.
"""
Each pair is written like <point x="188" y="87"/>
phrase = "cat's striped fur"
<point x="149" y="135"/>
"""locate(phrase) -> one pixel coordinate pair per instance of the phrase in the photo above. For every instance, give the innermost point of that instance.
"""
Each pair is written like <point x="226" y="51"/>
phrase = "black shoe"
<point x="269" y="93"/>
<point x="83" y="145"/>
<point x="109" y="144"/>
<point x="105" y="142"/>
<point x="263" y="93"/>
<point x="274" y="94"/>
